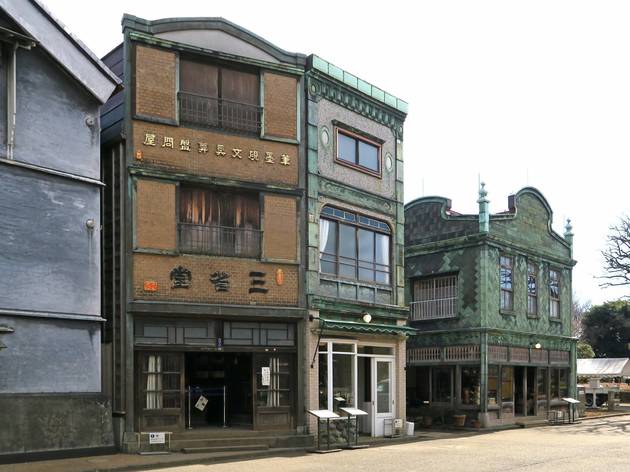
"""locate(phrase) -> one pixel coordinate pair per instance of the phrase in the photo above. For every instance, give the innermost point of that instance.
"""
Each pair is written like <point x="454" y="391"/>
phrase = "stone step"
<point x="252" y="447"/>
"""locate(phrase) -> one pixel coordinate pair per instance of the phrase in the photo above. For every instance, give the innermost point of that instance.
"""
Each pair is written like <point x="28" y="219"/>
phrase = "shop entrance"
<point x="524" y="391"/>
<point x="218" y="390"/>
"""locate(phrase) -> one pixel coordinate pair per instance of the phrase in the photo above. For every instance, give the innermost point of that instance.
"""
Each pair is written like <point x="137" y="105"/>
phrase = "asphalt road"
<point x="594" y="445"/>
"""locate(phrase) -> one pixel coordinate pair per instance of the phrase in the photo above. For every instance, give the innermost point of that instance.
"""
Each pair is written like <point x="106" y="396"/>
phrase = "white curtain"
<point x="154" y="383"/>
<point x="324" y="228"/>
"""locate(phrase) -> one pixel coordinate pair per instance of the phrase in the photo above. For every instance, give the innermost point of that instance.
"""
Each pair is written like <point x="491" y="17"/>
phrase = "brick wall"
<point x="155" y="215"/>
<point x="236" y="162"/>
<point x="155" y="82"/>
<point x="157" y="268"/>
<point x="280" y="228"/>
<point x="280" y="105"/>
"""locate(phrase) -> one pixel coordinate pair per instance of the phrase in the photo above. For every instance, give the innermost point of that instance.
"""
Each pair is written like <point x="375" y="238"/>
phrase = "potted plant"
<point x="459" y="420"/>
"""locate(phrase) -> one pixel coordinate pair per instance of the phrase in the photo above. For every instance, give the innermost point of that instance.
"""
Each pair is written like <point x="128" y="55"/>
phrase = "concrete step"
<point x="251" y="447"/>
<point x="250" y="442"/>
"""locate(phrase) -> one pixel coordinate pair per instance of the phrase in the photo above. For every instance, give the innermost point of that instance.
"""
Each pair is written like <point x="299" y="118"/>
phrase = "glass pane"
<point x="343" y="381"/>
<point x="564" y="383"/>
<point x="442" y="379"/>
<point x="366" y="245"/>
<point x="338" y="347"/>
<point x="382" y="249"/>
<point x="507" y="388"/>
<point x="347" y="241"/>
<point x="383" y="387"/>
<point x="346" y="148"/>
<point x="470" y="385"/>
<point x="368" y="156"/>
<point x="327" y="236"/>
<point x="493" y="384"/>
<point x="380" y="350"/>
<point x="328" y="267"/>
<point x="323" y="381"/>
<point x="555" y="383"/>
<point x="506" y="278"/>
<point x="542" y="384"/>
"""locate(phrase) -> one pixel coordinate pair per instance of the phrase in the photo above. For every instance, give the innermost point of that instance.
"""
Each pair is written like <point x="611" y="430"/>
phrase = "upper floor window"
<point x="532" y="290"/>
<point x="214" y="96"/>
<point x="506" y="276"/>
<point x="554" y="293"/>
<point x="358" y="151"/>
<point x="354" y="246"/>
<point x="219" y="223"/>
<point x="434" y="298"/>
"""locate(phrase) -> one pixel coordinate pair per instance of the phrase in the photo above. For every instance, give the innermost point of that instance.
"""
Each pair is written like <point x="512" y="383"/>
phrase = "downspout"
<point x="11" y="100"/>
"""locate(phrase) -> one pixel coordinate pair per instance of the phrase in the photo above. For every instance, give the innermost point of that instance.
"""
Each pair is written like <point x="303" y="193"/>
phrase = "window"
<point x="441" y="384"/>
<point x="161" y="377"/>
<point x="493" y="385"/>
<point x="277" y="392"/>
<point x="358" y="151"/>
<point x="434" y="298"/>
<point x="554" y="294"/>
<point x="337" y="375"/>
<point x="505" y="273"/>
<point x="532" y="290"/>
<point x="219" y="223"/>
<point x="559" y="383"/>
<point x="542" y="387"/>
<point x="507" y="388"/>
<point x="217" y="97"/>
<point x="470" y="385"/>
<point x="354" y="246"/>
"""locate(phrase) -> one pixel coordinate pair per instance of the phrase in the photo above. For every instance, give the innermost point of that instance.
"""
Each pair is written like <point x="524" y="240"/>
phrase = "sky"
<point x="514" y="93"/>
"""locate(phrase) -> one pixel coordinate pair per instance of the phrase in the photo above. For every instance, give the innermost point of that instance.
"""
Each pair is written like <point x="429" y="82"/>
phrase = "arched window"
<point x="354" y="246"/>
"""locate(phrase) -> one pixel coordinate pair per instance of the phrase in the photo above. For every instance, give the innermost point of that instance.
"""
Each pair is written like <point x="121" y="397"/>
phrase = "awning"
<point x="366" y="328"/>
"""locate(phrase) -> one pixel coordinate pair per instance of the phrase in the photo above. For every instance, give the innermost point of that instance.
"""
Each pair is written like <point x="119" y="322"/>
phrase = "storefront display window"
<point x="343" y="381"/>
<point x="493" y="385"/>
<point x="470" y="385"/>
<point x="555" y="384"/>
<point x="507" y="388"/>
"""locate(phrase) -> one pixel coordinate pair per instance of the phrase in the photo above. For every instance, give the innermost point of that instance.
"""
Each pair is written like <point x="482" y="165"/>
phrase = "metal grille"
<point x="559" y="357"/>
<point x="219" y="240"/>
<point x="434" y="298"/>
<point x="519" y="354"/>
<point x="539" y="356"/>
<point x="219" y="113"/>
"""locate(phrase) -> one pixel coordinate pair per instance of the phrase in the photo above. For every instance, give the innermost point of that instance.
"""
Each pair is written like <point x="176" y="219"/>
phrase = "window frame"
<point x="502" y="290"/>
<point x="554" y="300"/>
<point x="451" y="302"/>
<point x="220" y="119"/>
<point x="359" y="138"/>
<point x="256" y="232"/>
<point x="357" y="225"/>
<point x="532" y="296"/>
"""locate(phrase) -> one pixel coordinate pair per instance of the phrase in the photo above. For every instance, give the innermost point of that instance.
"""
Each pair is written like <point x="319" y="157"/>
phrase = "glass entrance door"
<point x="382" y="393"/>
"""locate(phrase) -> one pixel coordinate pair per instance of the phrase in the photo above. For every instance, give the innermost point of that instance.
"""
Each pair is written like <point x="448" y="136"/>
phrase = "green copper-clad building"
<point x="490" y="296"/>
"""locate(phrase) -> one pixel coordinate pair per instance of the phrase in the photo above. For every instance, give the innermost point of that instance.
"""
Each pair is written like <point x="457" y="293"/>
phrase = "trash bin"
<point x="410" y="427"/>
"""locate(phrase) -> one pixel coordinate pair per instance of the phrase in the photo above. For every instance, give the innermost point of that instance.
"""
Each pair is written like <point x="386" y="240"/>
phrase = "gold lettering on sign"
<point x="184" y="145"/>
<point x="220" y="152"/>
<point x="168" y="142"/>
<point x="237" y="153"/>
<point x="149" y="139"/>
<point x="202" y="148"/>
<point x="253" y="155"/>
<point x="285" y="160"/>
<point x="269" y="158"/>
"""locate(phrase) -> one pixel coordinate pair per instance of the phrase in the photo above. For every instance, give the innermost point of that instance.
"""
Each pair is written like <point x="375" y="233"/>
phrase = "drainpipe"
<point x="11" y="100"/>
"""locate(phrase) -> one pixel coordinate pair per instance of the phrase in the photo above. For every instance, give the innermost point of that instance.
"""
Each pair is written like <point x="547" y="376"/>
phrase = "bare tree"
<point x="617" y="254"/>
<point x="578" y="310"/>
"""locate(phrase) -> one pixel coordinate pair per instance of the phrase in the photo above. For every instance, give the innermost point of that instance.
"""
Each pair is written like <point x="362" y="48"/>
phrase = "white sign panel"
<point x="201" y="403"/>
<point x="266" y="376"/>
<point x="157" y="438"/>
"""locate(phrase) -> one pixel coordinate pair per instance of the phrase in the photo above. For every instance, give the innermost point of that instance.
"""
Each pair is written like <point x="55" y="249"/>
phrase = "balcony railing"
<point x="219" y="113"/>
<point x="434" y="309"/>
<point x="219" y="240"/>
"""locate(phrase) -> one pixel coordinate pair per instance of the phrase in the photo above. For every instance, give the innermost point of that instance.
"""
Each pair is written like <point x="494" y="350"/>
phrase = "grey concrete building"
<point x="51" y="90"/>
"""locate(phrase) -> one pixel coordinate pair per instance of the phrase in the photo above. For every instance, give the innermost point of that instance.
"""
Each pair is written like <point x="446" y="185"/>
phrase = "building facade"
<point x="356" y="332"/>
<point x="490" y="296"/>
<point x="203" y="281"/>
<point x="51" y="89"/>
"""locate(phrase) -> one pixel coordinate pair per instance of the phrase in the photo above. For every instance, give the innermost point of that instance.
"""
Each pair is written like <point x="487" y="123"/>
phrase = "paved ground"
<point x="593" y="445"/>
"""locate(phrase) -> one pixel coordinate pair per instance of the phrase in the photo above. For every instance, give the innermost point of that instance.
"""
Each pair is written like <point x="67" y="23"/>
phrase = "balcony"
<point x="439" y="309"/>
<point x="218" y="113"/>
<point x="219" y="240"/>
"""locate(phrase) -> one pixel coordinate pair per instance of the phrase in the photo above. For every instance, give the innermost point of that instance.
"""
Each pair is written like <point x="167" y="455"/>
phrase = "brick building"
<point x="355" y="338"/>
<point x="203" y="282"/>
<point x="490" y="296"/>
